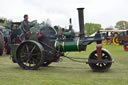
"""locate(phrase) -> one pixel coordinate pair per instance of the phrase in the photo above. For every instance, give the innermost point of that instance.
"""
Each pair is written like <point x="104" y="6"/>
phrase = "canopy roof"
<point x="113" y="30"/>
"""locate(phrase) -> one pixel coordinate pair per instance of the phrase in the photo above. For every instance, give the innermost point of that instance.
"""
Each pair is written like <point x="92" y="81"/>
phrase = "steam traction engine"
<point x="47" y="46"/>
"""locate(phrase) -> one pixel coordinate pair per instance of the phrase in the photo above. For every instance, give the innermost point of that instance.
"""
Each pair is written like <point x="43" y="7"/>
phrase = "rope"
<point x="73" y="59"/>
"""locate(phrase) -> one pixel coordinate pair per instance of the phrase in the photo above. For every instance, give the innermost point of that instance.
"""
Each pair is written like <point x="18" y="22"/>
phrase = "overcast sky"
<point x="104" y="12"/>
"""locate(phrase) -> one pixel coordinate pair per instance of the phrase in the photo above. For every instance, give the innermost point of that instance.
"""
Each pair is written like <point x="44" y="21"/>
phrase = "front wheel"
<point x="100" y="65"/>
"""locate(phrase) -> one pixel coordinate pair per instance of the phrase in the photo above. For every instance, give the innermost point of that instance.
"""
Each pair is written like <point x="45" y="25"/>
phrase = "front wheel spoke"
<point x="104" y="64"/>
<point x="95" y="57"/>
<point x="105" y="56"/>
<point x="98" y="64"/>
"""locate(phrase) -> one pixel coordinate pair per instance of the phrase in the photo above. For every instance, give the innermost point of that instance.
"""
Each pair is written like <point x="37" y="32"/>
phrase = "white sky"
<point x="104" y="12"/>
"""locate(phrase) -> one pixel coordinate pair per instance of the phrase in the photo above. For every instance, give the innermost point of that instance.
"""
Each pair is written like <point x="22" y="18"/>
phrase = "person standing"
<point x="25" y="26"/>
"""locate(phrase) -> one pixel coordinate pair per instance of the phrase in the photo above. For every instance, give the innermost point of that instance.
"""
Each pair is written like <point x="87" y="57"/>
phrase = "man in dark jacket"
<point x="25" y="25"/>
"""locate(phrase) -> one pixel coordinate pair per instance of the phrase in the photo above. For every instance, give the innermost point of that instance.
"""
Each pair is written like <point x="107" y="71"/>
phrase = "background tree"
<point x="109" y="28"/>
<point x="6" y="22"/>
<point x="122" y="25"/>
<point x="92" y="28"/>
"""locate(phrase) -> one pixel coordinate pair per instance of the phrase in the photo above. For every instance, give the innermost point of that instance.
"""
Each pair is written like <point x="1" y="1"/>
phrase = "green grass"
<point x="68" y="72"/>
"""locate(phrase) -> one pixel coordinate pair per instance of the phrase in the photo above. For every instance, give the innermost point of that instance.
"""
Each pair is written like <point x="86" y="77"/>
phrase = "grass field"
<point x="68" y="72"/>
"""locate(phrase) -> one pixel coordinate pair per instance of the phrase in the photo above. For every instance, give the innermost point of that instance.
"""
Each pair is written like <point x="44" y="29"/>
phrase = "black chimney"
<point x="81" y="22"/>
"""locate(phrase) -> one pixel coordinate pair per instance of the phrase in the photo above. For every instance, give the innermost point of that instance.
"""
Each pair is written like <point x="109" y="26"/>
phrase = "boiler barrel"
<point x="67" y="45"/>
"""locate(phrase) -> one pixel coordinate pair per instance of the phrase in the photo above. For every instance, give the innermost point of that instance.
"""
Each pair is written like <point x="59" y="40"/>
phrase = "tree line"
<point x="93" y="27"/>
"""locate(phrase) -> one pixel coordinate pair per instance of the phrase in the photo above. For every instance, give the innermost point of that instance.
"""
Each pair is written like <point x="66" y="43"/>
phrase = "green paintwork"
<point x="13" y="52"/>
<point x="66" y="45"/>
<point x="34" y="36"/>
<point x="68" y="34"/>
<point x="59" y="45"/>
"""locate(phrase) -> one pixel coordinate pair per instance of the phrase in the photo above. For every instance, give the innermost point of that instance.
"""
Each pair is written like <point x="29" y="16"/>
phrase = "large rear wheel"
<point x="29" y="55"/>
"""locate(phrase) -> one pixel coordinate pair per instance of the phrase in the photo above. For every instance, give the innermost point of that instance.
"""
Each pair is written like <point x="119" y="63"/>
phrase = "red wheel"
<point x="126" y="46"/>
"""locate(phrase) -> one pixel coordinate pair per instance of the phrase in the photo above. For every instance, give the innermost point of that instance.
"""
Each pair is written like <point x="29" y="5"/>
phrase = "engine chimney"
<point x="81" y="22"/>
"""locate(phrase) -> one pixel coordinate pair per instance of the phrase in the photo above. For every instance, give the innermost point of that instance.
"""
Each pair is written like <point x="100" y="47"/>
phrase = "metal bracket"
<point x="99" y="51"/>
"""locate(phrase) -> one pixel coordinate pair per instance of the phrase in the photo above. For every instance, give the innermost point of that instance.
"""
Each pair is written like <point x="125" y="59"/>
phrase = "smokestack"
<point x="81" y="22"/>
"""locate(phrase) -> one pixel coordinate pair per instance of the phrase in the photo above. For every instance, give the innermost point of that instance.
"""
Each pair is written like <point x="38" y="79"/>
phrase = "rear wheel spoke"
<point x="35" y="54"/>
<point x="29" y="64"/>
<point x="33" y="48"/>
<point x="27" y="48"/>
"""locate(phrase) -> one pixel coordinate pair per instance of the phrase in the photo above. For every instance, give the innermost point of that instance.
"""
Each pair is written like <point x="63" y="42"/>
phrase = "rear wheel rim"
<point x="29" y="56"/>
